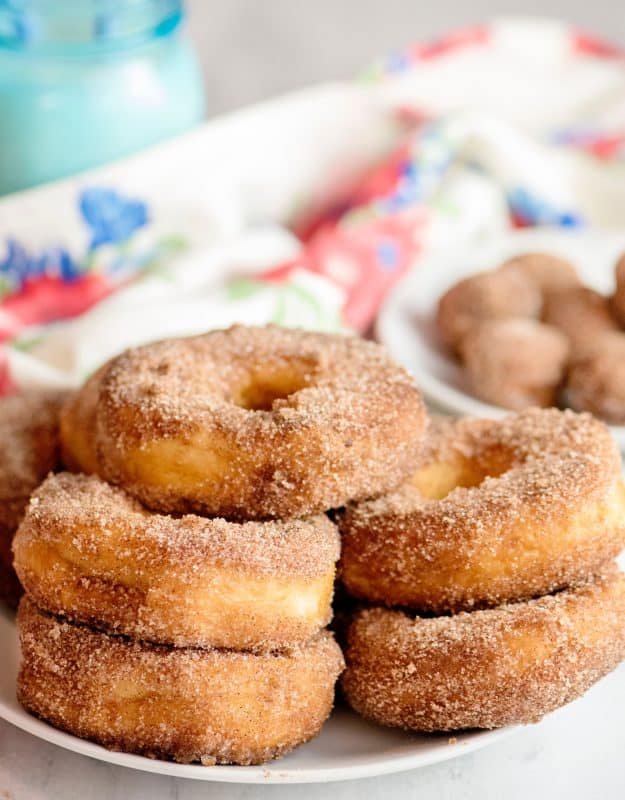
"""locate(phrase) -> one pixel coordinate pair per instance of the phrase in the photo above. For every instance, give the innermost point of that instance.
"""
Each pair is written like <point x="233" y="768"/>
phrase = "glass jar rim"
<point x="76" y="28"/>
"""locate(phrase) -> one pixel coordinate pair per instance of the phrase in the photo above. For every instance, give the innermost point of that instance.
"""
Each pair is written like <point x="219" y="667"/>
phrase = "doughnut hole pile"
<point x="179" y="579"/>
<point x="487" y="581"/>
<point x="563" y="347"/>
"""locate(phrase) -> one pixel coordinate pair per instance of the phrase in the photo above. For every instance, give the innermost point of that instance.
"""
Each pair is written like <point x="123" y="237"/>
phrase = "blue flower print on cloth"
<point x="14" y="266"/>
<point x="111" y="217"/>
<point x="56" y="261"/>
<point x="530" y="209"/>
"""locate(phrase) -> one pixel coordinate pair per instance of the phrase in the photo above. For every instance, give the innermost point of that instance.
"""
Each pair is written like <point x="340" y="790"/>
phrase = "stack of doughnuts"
<point x="179" y="577"/>
<point x="490" y="594"/>
<point x="528" y="333"/>
<point x="179" y="561"/>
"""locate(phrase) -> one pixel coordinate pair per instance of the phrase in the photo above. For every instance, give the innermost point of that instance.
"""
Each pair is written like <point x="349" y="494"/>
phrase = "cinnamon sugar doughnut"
<point x="250" y="423"/>
<point x="582" y="314"/>
<point x="499" y="510"/>
<point x="550" y="273"/>
<point x="497" y="294"/>
<point x="485" y="669"/>
<point x="77" y="426"/>
<point x="89" y="552"/>
<point x="29" y="449"/>
<point x="515" y="363"/>
<point x="212" y="706"/>
<point x="596" y="380"/>
<point x="617" y="301"/>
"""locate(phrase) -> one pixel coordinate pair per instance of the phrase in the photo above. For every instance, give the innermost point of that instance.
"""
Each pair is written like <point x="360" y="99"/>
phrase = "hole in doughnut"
<point x="264" y="388"/>
<point x="435" y="481"/>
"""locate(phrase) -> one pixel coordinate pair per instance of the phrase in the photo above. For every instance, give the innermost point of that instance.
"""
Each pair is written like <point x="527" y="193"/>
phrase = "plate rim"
<point x="270" y="773"/>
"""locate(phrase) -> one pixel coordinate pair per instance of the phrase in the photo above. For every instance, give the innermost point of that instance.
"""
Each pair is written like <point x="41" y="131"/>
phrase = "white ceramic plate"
<point x="406" y="322"/>
<point x="347" y="748"/>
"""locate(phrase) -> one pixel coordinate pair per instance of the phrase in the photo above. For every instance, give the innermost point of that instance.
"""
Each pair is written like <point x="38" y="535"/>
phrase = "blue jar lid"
<point x="85" y="27"/>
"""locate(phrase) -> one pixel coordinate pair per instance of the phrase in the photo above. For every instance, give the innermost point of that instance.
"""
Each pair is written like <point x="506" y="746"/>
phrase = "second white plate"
<point x="406" y="324"/>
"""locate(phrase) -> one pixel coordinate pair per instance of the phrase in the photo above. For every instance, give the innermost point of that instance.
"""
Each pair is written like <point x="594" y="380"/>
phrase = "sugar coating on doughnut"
<point x="617" y="301"/>
<point x="212" y="706"/>
<point x="90" y="552"/>
<point x="256" y="422"/>
<point x="29" y="437"/>
<point x="485" y="669"/>
<point x="515" y="363"/>
<point x="10" y="588"/>
<point x="78" y="426"/>
<point x="498" y="510"/>
<point x="30" y="449"/>
<point x="488" y="295"/>
<point x="582" y="314"/>
<point x="596" y="380"/>
<point x="550" y="273"/>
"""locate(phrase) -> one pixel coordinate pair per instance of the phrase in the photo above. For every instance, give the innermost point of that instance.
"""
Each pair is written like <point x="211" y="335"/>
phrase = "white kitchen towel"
<point x="304" y="210"/>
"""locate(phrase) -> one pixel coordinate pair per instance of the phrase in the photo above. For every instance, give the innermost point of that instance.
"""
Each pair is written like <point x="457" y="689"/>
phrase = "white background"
<point x="252" y="49"/>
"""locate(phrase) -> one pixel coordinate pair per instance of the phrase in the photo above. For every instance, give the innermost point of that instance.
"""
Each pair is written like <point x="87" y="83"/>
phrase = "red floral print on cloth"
<point x="364" y="260"/>
<point x="50" y="298"/>
<point x="589" y="45"/>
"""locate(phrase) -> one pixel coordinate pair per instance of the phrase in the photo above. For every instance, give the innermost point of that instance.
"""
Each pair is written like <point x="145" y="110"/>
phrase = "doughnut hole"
<point x="437" y="480"/>
<point x="550" y="273"/>
<point x="264" y="387"/>
<point x="515" y="363"/>
<point x="486" y="296"/>
<point x="582" y="315"/>
<point x="596" y="380"/>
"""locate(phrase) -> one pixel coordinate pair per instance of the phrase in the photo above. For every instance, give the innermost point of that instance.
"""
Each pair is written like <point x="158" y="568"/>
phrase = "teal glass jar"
<point x="83" y="82"/>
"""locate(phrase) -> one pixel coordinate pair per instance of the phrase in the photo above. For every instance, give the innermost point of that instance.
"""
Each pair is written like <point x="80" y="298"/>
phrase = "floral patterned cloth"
<point x="306" y="210"/>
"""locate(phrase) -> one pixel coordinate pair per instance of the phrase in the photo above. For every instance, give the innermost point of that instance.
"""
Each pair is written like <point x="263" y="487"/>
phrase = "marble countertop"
<point x="578" y="753"/>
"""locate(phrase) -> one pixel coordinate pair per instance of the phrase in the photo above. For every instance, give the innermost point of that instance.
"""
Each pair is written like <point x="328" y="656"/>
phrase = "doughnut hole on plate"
<point x="596" y="379"/>
<point x="582" y="314"/>
<point x="550" y="273"/>
<point x="515" y="363"/>
<point x="488" y="295"/>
